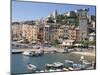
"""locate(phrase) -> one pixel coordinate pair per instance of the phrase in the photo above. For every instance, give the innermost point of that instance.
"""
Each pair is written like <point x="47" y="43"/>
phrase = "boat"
<point x="83" y="66"/>
<point x="87" y="64"/>
<point x="69" y="63"/>
<point x="55" y="65"/>
<point x="49" y="66"/>
<point x="65" y="69"/>
<point x="77" y="66"/>
<point x="32" y="53"/>
<point x="31" y="67"/>
<point x="71" y="69"/>
<point x="58" y="65"/>
<point x="28" y="53"/>
<point x="42" y="71"/>
<point x="51" y="70"/>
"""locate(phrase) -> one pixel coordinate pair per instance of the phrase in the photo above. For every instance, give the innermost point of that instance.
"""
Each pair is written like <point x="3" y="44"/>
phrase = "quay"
<point x="46" y="50"/>
<point x="15" y="51"/>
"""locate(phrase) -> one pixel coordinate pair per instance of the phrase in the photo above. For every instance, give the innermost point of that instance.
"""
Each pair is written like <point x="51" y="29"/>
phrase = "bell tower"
<point x="83" y="24"/>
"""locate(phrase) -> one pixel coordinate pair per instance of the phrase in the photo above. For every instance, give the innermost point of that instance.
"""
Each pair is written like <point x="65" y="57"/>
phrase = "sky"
<point x="22" y="11"/>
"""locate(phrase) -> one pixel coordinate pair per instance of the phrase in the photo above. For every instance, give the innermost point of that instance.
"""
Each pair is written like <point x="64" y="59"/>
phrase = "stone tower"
<point x="83" y="24"/>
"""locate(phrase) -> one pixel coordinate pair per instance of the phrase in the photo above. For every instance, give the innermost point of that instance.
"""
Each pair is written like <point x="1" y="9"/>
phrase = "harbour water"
<point x="19" y="61"/>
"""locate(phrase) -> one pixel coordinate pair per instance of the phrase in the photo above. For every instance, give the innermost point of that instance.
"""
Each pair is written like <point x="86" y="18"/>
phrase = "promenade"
<point x="51" y="50"/>
<point x="45" y="49"/>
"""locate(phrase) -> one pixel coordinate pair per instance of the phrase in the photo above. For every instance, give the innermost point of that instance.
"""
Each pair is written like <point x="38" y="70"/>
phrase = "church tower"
<point x="83" y="24"/>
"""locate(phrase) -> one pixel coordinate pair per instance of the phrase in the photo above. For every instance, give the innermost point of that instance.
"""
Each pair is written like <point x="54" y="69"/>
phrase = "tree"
<point x="50" y="20"/>
<point x="92" y="43"/>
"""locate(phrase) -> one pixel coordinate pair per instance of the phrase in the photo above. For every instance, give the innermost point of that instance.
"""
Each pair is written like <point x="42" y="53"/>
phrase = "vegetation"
<point x="88" y="43"/>
<point x="50" y="20"/>
<point x="92" y="43"/>
<point x="63" y="19"/>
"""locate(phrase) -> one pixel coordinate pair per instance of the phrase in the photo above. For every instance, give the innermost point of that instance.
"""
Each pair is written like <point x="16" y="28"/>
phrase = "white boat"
<point x="65" y="69"/>
<point x="55" y="65"/>
<point x="70" y="69"/>
<point x="58" y="70"/>
<point x="58" y="64"/>
<point x="31" y="67"/>
<point x="32" y="53"/>
<point x="51" y="70"/>
<point x="42" y="71"/>
<point x="87" y="64"/>
<point x="27" y="53"/>
<point x="69" y="63"/>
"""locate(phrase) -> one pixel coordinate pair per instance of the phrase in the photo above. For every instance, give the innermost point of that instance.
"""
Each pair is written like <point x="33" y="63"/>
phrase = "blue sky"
<point x="22" y="11"/>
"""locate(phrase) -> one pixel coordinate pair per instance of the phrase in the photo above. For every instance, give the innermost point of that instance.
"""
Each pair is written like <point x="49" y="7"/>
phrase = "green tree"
<point x="92" y="43"/>
<point x="50" y="20"/>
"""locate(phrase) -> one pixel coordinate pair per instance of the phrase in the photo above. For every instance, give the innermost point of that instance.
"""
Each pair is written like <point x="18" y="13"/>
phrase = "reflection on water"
<point x="19" y="61"/>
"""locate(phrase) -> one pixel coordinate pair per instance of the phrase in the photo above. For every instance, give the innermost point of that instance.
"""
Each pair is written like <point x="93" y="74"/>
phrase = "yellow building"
<point x="30" y="32"/>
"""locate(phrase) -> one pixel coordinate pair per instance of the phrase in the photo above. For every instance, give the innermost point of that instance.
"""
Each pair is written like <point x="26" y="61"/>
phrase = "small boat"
<point x="77" y="66"/>
<point x="71" y="69"/>
<point x="28" y="53"/>
<point x="58" y="65"/>
<point x="58" y="70"/>
<point x="69" y="63"/>
<point x="31" y="67"/>
<point x="42" y="71"/>
<point x="87" y="64"/>
<point x="55" y="65"/>
<point x="51" y="70"/>
<point x="25" y="53"/>
<point x="32" y="53"/>
<point x="49" y="66"/>
<point x="65" y="69"/>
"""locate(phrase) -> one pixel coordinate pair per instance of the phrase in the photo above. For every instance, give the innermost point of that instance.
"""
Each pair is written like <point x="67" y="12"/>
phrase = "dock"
<point x="46" y="50"/>
<point x="15" y="51"/>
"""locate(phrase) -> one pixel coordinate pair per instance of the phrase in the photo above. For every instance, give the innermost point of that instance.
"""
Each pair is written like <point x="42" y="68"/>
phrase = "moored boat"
<point x="31" y="67"/>
<point x="54" y="66"/>
<point x="28" y="53"/>
<point x="69" y="63"/>
<point x="32" y="53"/>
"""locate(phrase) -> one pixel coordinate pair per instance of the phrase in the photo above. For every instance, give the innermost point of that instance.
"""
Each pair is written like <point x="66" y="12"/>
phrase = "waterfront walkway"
<point x="50" y="50"/>
<point x="44" y="49"/>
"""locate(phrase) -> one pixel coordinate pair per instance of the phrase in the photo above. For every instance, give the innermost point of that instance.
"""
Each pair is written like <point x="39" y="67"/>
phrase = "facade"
<point x="35" y="32"/>
<point x="72" y="34"/>
<point x="53" y="33"/>
<point x="16" y="32"/>
<point x="27" y="32"/>
<point x="44" y="31"/>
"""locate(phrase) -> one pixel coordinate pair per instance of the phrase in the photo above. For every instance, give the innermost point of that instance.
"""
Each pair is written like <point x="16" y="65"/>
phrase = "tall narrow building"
<point x="83" y="24"/>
